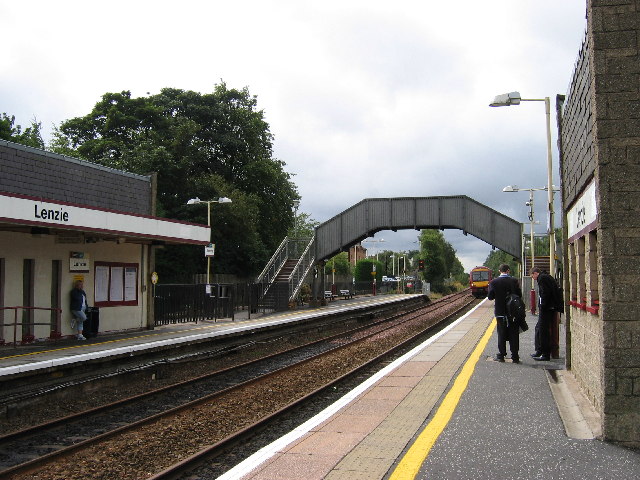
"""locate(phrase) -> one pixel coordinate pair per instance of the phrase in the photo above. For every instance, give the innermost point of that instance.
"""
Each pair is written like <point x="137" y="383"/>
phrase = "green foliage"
<point x="363" y="269"/>
<point x="498" y="257"/>
<point x="30" y="137"/>
<point x="201" y="145"/>
<point x="340" y="263"/>
<point x="441" y="262"/>
<point x="303" y="226"/>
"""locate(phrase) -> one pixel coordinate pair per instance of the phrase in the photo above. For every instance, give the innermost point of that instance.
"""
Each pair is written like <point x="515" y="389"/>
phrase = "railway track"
<point x="184" y="424"/>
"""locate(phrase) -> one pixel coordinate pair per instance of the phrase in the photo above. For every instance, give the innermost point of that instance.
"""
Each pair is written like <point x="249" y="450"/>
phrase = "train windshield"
<point x="480" y="275"/>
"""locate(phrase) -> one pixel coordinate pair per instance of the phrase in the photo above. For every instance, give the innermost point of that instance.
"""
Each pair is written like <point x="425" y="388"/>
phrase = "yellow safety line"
<point x="410" y="464"/>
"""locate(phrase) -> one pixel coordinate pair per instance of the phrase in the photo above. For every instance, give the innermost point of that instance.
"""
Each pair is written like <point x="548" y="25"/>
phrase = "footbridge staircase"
<point x="295" y="258"/>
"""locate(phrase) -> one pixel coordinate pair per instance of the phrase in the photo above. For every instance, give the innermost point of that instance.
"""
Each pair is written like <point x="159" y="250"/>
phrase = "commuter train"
<point x="479" y="279"/>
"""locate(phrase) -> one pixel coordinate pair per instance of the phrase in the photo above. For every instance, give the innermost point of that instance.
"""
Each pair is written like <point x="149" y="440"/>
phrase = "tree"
<point x="341" y="264"/>
<point x="497" y="258"/>
<point x="204" y="145"/>
<point x="303" y="226"/>
<point x="440" y="259"/>
<point x="31" y="137"/>
<point x="363" y="269"/>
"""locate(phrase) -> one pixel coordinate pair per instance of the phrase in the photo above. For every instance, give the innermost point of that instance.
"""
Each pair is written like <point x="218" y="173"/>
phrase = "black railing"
<point x="184" y="303"/>
<point x="193" y="303"/>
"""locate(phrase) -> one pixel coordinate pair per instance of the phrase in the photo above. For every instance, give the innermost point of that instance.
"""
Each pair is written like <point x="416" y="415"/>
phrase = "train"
<point x="479" y="279"/>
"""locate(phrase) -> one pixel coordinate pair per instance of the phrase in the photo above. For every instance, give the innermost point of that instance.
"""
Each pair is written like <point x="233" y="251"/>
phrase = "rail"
<point x="55" y="324"/>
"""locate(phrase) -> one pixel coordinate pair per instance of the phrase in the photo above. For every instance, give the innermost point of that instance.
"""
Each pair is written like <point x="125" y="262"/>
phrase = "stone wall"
<point x="601" y="143"/>
<point x="36" y="173"/>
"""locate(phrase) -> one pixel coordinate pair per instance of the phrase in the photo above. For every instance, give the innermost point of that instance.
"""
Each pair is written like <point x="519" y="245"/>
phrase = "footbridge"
<point x="293" y="261"/>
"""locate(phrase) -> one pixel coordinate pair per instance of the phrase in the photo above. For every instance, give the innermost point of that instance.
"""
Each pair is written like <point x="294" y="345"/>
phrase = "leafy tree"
<point x="31" y="136"/>
<point x="303" y="226"/>
<point x="363" y="269"/>
<point x="204" y="145"/>
<point x="341" y="264"/>
<point x="498" y="257"/>
<point x="441" y="261"/>
<point x="432" y="250"/>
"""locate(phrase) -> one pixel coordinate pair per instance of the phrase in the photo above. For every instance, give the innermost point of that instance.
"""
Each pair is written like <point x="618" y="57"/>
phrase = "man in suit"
<point x="499" y="288"/>
<point x="548" y="305"/>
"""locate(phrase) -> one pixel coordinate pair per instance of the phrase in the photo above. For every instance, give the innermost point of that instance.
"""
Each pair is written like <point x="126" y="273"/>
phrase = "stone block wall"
<point x="601" y="143"/>
<point x="614" y="27"/>
<point x="36" y="173"/>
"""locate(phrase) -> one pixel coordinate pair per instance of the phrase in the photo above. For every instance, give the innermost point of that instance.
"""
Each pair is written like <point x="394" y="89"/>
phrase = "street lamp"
<point x="296" y="204"/>
<point x="375" y="241"/>
<point x="514" y="98"/>
<point x="195" y="201"/>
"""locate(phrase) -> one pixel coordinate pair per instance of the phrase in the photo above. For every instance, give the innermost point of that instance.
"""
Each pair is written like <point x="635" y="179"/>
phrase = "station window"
<point x="593" y="297"/>
<point x="583" y="270"/>
<point x="581" y="264"/>
<point x="115" y="284"/>
<point x="573" y="273"/>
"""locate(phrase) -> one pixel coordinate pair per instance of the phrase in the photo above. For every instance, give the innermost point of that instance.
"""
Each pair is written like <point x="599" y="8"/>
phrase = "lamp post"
<point x="296" y="204"/>
<point x="375" y="241"/>
<point x="514" y="188"/>
<point x="514" y="98"/>
<point x="194" y="201"/>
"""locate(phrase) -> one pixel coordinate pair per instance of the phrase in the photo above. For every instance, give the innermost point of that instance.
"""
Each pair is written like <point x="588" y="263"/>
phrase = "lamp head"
<point x="224" y="200"/>
<point x="506" y="100"/>
<point x="510" y="188"/>
<point x="193" y="201"/>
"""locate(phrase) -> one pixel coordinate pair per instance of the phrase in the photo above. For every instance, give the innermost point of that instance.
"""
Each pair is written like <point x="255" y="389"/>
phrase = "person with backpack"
<point x="548" y="305"/>
<point x="508" y="329"/>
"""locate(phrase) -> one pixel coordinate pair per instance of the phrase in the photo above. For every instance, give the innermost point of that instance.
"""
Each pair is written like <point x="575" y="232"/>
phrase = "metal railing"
<point x="300" y="249"/>
<point x="54" y="323"/>
<point x="274" y="265"/>
<point x="186" y="303"/>
<point x="301" y="270"/>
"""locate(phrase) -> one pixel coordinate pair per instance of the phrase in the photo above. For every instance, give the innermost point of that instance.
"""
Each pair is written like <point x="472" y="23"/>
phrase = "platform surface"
<point x="447" y="410"/>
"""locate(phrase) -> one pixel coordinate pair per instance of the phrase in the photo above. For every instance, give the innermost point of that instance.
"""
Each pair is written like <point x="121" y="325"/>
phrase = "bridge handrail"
<point x="301" y="269"/>
<point x="269" y="268"/>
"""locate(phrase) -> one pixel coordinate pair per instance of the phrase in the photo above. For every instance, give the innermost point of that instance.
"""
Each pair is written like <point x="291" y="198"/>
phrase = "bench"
<point x="329" y="295"/>
<point x="346" y="294"/>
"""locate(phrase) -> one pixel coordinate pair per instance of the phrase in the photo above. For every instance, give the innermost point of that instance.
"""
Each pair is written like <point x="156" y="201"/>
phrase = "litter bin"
<point x="92" y="325"/>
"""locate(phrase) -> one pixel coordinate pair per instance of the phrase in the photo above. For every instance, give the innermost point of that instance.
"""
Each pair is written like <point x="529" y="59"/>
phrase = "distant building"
<point x="357" y="253"/>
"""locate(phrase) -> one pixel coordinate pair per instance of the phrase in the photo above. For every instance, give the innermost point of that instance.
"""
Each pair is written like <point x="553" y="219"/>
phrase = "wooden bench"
<point x="346" y="294"/>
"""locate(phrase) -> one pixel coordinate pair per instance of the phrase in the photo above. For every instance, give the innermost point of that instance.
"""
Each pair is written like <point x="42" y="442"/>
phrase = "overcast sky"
<point x="365" y="98"/>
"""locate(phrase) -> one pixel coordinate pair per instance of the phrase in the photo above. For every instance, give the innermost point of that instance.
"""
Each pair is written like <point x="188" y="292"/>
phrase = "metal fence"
<point x="184" y="303"/>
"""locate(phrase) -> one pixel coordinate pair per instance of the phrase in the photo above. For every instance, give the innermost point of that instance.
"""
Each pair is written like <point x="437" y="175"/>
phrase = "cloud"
<point x="364" y="98"/>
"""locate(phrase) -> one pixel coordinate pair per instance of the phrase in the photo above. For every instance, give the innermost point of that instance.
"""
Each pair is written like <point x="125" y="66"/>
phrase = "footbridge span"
<point x="372" y="215"/>
<point x="294" y="259"/>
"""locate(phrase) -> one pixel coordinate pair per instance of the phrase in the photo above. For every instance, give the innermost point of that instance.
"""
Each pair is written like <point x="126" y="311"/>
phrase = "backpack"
<point x="516" y="310"/>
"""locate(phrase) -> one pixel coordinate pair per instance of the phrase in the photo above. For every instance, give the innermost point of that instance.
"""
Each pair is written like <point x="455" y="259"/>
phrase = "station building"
<point x="63" y="219"/>
<point x="599" y="123"/>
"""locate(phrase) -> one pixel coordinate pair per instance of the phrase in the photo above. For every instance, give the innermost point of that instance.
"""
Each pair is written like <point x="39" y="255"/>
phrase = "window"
<point x="583" y="269"/>
<point x="480" y="275"/>
<point x="115" y="284"/>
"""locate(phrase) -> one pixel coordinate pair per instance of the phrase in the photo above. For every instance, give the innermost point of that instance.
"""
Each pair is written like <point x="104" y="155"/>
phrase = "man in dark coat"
<point x="499" y="288"/>
<point x="548" y="305"/>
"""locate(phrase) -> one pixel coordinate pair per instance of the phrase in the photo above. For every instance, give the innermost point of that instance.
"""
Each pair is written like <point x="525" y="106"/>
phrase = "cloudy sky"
<point x="365" y="98"/>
